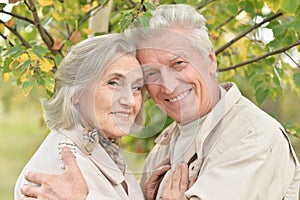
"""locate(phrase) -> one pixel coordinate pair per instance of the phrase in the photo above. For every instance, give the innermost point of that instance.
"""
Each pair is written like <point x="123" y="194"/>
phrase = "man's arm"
<point x="68" y="185"/>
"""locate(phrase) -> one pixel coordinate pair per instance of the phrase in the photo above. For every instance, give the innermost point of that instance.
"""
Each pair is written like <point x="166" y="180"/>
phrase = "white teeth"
<point x="179" y="97"/>
<point x="122" y="114"/>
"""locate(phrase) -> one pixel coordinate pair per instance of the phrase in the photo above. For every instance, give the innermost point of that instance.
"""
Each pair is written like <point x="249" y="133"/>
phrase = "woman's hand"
<point x="177" y="183"/>
<point x="65" y="186"/>
<point x="152" y="184"/>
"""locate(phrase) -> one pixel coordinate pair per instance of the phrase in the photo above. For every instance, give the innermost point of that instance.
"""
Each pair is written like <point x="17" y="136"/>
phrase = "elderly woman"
<point x="98" y="98"/>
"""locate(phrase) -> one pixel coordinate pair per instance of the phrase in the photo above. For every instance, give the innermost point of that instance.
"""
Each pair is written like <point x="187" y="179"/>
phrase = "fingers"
<point x="184" y="181"/>
<point x="35" y="177"/>
<point x="69" y="159"/>
<point x="191" y="182"/>
<point x="30" y="191"/>
<point x="28" y="198"/>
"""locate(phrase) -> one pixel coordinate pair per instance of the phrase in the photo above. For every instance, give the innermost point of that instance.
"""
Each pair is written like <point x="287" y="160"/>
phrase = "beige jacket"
<point x="101" y="174"/>
<point x="241" y="154"/>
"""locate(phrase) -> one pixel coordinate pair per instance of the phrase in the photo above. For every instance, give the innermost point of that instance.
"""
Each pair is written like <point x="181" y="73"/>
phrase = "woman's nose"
<point x="126" y="98"/>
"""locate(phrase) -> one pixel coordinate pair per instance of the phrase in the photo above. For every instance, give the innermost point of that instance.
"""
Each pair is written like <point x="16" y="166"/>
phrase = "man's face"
<point x="178" y="78"/>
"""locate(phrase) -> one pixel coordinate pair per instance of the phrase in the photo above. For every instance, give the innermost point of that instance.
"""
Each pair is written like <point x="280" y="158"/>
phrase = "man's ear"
<point x="213" y="61"/>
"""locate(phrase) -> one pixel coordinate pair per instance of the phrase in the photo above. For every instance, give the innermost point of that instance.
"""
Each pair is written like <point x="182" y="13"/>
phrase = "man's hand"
<point x="177" y="183"/>
<point x="65" y="186"/>
<point x="152" y="184"/>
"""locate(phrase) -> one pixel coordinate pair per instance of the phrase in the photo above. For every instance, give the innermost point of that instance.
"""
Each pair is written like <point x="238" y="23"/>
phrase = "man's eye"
<point x="179" y="64"/>
<point x="151" y="76"/>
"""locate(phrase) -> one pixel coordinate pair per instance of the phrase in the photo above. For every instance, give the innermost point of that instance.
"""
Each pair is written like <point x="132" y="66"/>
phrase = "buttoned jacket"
<point x="102" y="175"/>
<point x="238" y="153"/>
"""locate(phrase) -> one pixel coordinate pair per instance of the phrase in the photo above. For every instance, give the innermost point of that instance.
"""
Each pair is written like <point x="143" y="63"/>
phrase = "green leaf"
<point x="49" y="84"/>
<point x="233" y="8"/>
<point x="26" y="64"/>
<point x="144" y="19"/>
<point x="39" y="50"/>
<point x="2" y="5"/>
<point x="13" y="50"/>
<point x="27" y="86"/>
<point x="125" y="21"/>
<point x="180" y="1"/>
<point x="290" y="6"/>
<point x="261" y="94"/>
<point x="296" y="79"/>
<point x="6" y="65"/>
<point x="248" y="7"/>
<point x="149" y="6"/>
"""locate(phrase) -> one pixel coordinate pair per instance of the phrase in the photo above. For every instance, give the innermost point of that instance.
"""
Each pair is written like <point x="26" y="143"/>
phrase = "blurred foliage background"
<point x="257" y="45"/>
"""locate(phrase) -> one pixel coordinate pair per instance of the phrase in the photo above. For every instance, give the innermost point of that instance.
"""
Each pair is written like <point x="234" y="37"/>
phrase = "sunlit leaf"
<point x="274" y="5"/>
<point x="57" y="16"/>
<point x="49" y="84"/>
<point x="86" y="8"/>
<point x="5" y="77"/>
<point x="46" y="65"/>
<point x="45" y="2"/>
<point x="2" y="28"/>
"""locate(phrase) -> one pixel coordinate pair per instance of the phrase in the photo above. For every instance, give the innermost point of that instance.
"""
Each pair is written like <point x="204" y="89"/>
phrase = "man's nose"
<point x="169" y="80"/>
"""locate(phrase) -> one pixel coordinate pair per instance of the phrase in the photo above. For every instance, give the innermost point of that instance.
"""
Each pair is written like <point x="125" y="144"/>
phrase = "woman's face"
<point x="112" y="104"/>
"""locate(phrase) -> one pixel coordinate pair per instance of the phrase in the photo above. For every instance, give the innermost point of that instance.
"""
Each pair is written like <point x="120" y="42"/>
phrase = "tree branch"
<point x="205" y="3"/>
<point x="5" y="38"/>
<point x="290" y="57"/>
<point x="17" y="16"/>
<point x="227" y="21"/>
<point x="228" y="44"/>
<point x="260" y="57"/>
<point x="15" y="32"/>
<point x="44" y="34"/>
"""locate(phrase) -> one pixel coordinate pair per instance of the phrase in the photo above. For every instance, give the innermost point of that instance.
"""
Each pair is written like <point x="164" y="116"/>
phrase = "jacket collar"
<point x="98" y="156"/>
<point x="213" y="118"/>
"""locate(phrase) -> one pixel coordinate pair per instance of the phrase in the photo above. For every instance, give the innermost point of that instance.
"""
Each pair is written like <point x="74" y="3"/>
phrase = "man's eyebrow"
<point x="174" y="58"/>
<point x="147" y="67"/>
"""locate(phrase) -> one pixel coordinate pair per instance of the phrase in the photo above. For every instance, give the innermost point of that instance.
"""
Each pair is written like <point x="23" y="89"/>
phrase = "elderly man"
<point x="221" y="142"/>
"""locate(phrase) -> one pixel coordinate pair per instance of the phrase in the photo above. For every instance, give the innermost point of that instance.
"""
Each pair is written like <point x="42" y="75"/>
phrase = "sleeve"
<point x="255" y="167"/>
<point x="156" y="156"/>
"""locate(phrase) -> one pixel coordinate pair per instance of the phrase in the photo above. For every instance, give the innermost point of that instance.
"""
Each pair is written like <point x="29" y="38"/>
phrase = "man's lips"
<point x="180" y="97"/>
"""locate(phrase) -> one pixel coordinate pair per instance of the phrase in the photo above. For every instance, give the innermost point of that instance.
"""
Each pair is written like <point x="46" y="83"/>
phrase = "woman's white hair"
<point x="82" y="66"/>
<point x="177" y="17"/>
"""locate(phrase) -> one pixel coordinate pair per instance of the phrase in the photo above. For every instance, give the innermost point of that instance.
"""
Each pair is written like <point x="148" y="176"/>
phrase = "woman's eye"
<point x="113" y="82"/>
<point x="137" y="88"/>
